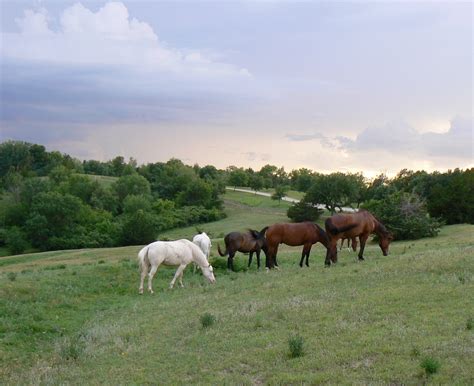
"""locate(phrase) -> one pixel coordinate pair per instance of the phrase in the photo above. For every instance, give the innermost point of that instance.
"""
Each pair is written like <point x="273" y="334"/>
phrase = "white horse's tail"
<point x="143" y="260"/>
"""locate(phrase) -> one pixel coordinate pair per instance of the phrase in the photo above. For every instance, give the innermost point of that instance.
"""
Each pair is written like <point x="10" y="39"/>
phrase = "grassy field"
<point x="76" y="316"/>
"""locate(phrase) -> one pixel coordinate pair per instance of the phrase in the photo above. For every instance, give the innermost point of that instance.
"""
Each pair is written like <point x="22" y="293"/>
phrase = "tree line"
<point x="50" y="200"/>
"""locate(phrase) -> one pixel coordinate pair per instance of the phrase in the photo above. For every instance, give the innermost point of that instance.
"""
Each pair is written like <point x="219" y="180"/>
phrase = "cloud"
<point x="107" y="37"/>
<point x="253" y="156"/>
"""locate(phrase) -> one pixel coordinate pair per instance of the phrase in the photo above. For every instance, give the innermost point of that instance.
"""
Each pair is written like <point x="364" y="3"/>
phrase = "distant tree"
<point x="279" y="193"/>
<point x="334" y="191"/>
<point x="405" y="215"/>
<point x="199" y="193"/>
<point x="301" y="179"/>
<point x="303" y="211"/>
<point x="267" y="173"/>
<point x="238" y="177"/>
<point x="131" y="184"/>
<point x="256" y="182"/>
<point x="133" y="203"/>
<point x="15" y="240"/>
<point x="139" y="228"/>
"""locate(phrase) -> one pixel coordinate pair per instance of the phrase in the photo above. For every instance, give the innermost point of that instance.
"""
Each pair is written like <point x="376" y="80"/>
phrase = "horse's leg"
<point x="307" y="255"/>
<point x="250" y="258"/>
<point x="181" y="280"/>
<point x="274" y="257"/>
<point x="362" y="238"/>
<point x="144" y="272"/>
<point x="354" y="244"/>
<point x="258" y="259"/>
<point x="178" y="273"/>
<point x="150" y="277"/>
<point x="230" y="260"/>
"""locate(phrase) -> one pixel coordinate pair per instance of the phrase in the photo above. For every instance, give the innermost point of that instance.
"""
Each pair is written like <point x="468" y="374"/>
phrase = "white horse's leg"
<point x="181" y="279"/>
<point x="150" y="277"/>
<point x="142" y="279"/>
<point x="178" y="273"/>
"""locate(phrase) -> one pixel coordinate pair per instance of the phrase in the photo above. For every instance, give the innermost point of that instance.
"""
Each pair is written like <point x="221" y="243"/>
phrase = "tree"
<point x="301" y="179"/>
<point x="256" y="182"/>
<point x="131" y="184"/>
<point x="303" y="211"/>
<point x="238" y="177"/>
<point x="334" y="191"/>
<point x="405" y="215"/>
<point x="280" y="192"/>
<point x="139" y="228"/>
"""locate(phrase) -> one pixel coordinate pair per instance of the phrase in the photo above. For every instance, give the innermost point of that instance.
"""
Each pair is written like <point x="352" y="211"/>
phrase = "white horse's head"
<point x="208" y="273"/>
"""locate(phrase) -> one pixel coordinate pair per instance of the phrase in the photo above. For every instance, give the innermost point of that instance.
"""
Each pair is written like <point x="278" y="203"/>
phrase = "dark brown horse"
<point x="251" y="241"/>
<point x="293" y="234"/>
<point x="360" y="224"/>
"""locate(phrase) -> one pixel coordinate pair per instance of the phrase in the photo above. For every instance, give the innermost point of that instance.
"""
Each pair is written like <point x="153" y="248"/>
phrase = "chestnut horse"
<point x="293" y="234"/>
<point x="251" y="241"/>
<point x="350" y="242"/>
<point x="360" y="224"/>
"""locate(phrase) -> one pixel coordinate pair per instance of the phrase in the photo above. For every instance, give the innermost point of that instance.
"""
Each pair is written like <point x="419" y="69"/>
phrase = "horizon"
<point x="353" y="87"/>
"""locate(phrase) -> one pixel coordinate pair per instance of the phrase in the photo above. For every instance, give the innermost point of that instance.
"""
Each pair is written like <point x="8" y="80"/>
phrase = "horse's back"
<point x="171" y="252"/>
<point x="292" y="233"/>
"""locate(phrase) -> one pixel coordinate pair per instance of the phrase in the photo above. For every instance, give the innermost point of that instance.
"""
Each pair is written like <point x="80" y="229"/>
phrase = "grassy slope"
<point x="76" y="317"/>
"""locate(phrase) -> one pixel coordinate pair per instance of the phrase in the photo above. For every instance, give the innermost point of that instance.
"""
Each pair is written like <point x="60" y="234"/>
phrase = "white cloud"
<point x="108" y="37"/>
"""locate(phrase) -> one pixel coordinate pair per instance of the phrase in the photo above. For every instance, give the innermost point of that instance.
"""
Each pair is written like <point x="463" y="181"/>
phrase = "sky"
<point x="331" y="86"/>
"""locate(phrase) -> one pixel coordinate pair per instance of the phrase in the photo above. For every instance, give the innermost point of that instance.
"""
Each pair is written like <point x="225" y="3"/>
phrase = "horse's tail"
<point x="334" y="229"/>
<point x="143" y="261"/>
<point x="220" y="252"/>
<point x="262" y="232"/>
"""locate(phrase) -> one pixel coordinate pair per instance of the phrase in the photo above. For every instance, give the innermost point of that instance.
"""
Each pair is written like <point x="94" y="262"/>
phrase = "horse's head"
<point x="208" y="273"/>
<point x="384" y="242"/>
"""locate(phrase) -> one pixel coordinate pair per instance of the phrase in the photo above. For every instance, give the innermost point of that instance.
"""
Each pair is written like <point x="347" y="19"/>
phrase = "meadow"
<point x="76" y="317"/>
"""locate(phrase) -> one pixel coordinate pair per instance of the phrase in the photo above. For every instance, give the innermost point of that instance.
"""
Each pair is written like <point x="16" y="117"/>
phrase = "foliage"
<point x="207" y="320"/>
<point x="295" y="344"/>
<point x="280" y="192"/>
<point x="138" y="228"/>
<point x="131" y="184"/>
<point x="430" y="365"/>
<point x="303" y="211"/>
<point x="335" y="190"/>
<point x="15" y="240"/>
<point x="238" y="177"/>
<point x="405" y="215"/>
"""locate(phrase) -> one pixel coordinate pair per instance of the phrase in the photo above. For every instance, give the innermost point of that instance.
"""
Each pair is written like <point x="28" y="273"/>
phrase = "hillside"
<point x="76" y="316"/>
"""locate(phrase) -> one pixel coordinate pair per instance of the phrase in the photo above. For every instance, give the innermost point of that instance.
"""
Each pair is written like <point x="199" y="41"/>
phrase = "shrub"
<point x="207" y="320"/>
<point x="295" y="344"/>
<point x="15" y="240"/>
<point x="430" y="365"/>
<point x="405" y="215"/>
<point x="303" y="211"/>
<point x="11" y="276"/>
<point x="470" y="324"/>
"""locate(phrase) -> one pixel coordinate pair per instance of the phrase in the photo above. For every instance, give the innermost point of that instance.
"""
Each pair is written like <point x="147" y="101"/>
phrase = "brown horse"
<point x="293" y="234"/>
<point x="350" y="241"/>
<point x="251" y="241"/>
<point x="360" y="224"/>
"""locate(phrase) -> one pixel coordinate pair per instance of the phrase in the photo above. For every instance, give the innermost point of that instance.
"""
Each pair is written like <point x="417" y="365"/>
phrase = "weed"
<point x="207" y="320"/>
<point x="430" y="365"/>
<point x="295" y="344"/>
<point x="470" y="323"/>
<point x="11" y="276"/>
<point x="71" y="349"/>
<point x="415" y="352"/>
<point x="101" y="262"/>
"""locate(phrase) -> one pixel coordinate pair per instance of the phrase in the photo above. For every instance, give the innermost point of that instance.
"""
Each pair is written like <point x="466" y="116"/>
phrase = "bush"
<point x="15" y="240"/>
<point x="207" y="320"/>
<point x="295" y="344"/>
<point x="430" y="365"/>
<point x="303" y="211"/>
<point x="405" y="215"/>
<point x="138" y="228"/>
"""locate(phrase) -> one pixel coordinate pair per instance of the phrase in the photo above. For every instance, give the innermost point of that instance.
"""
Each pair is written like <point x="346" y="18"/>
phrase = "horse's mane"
<point x="381" y="228"/>
<point x="323" y="233"/>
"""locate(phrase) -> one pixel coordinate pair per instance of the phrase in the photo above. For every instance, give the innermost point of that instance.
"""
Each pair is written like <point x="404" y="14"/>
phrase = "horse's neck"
<point x="323" y="238"/>
<point x="199" y="258"/>
<point x="379" y="228"/>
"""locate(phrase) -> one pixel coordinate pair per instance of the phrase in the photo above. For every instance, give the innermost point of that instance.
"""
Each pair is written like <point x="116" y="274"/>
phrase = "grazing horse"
<point x="352" y="241"/>
<point x="203" y="241"/>
<point x="179" y="252"/>
<point x="360" y="224"/>
<point x="293" y="234"/>
<point x="251" y="241"/>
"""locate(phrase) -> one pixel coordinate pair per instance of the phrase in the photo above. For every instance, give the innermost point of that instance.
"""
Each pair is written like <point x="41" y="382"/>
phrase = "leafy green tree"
<point x="256" y="182"/>
<point x="334" y="191"/>
<point x="14" y="156"/>
<point x="301" y="179"/>
<point x="131" y="184"/>
<point x="59" y="174"/>
<point x="238" y="177"/>
<point x="197" y="194"/>
<point x="81" y="186"/>
<point x="279" y="193"/>
<point x="405" y="215"/>
<point x="139" y="228"/>
<point x="15" y="240"/>
<point x="133" y="203"/>
<point x="303" y="211"/>
<point x="267" y="172"/>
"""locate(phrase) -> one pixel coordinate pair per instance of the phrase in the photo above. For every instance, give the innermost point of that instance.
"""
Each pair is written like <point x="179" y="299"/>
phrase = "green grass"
<point x="105" y="181"/>
<point x="369" y="322"/>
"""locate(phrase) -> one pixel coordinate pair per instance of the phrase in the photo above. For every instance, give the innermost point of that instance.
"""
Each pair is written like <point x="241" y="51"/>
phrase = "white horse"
<point x="203" y="241"/>
<point x="179" y="252"/>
